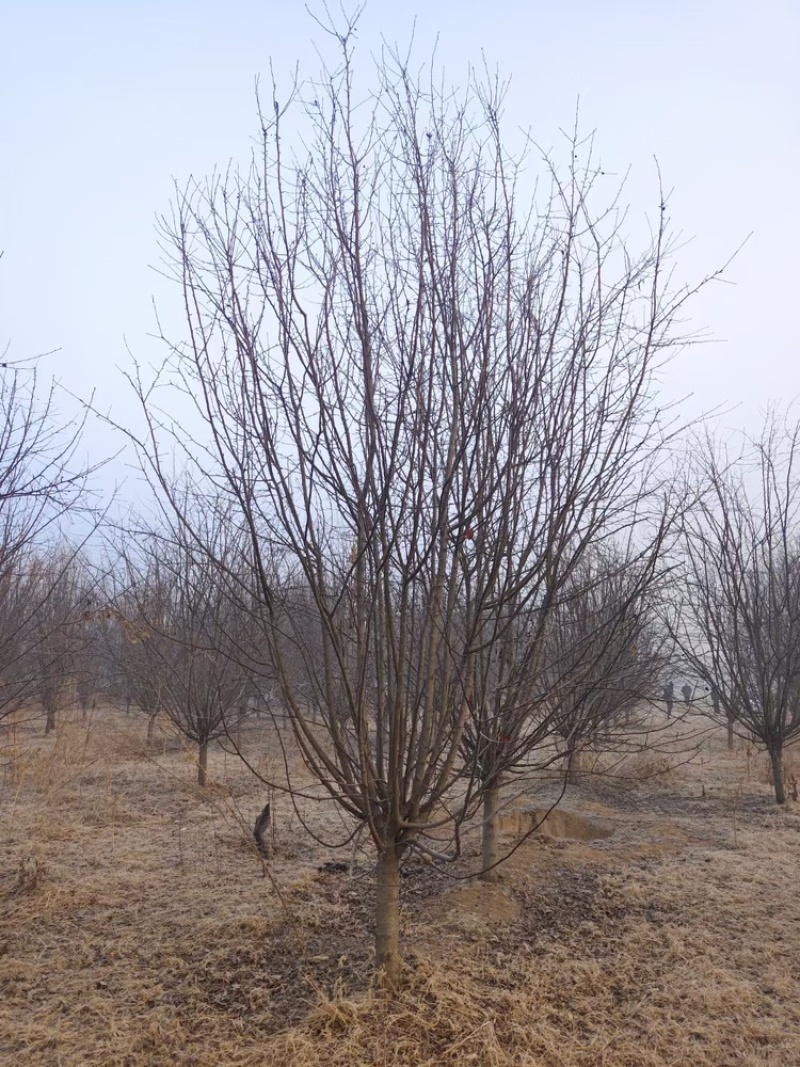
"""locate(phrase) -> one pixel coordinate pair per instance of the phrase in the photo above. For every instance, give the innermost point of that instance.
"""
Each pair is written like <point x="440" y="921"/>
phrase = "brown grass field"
<point x="140" y="927"/>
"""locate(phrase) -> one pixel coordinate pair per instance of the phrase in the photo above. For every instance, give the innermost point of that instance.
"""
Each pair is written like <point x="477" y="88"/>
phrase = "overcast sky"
<point x="105" y="103"/>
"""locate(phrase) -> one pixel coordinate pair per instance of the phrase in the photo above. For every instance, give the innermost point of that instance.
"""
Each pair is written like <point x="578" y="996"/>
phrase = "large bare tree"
<point x="425" y="393"/>
<point x="738" y="621"/>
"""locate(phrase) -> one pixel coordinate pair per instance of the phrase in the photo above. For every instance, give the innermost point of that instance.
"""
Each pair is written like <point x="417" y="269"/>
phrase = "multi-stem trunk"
<point x="387" y="915"/>
<point x="776" y="759"/>
<point x="491" y="831"/>
<point x="202" y="763"/>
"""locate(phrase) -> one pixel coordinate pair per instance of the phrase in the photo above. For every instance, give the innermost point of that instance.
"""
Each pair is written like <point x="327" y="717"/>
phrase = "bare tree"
<point x="89" y="668"/>
<point x="183" y="629"/>
<point x="19" y="589"/>
<point x="606" y="652"/>
<point x="425" y="399"/>
<point x="57" y="635"/>
<point x="132" y="659"/>
<point x="40" y="484"/>
<point x="738" y="622"/>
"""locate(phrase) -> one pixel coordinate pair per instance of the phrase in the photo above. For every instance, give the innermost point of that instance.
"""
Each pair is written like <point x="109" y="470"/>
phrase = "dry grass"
<point x="138" y="927"/>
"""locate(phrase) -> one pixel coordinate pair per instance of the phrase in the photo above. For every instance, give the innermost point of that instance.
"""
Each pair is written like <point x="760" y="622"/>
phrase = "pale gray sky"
<point x="104" y="103"/>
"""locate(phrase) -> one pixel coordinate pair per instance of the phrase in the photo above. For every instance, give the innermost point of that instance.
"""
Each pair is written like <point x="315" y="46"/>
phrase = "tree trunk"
<point x="387" y="915"/>
<point x="776" y="758"/>
<point x="491" y="819"/>
<point x="151" y="728"/>
<point x="574" y="765"/>
<point x="261" y="830"/>
<point x="730" y="721"/>
<point x="202" y="764"/>
<point x="50" y="722"/>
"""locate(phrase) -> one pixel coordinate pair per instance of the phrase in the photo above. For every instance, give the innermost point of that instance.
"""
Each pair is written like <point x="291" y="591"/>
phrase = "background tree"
<point x="425" y="399"/>
<point x="41" y="484"/>
<point x="557" y="643"/>
<point x="91" y="679"/>
<point x="182" y="631"/>
<point x="738" y="622"/>
<point x="133" y="663"/>
<point x="606" y="653"/>
<point x="57" y="634"/>
<point x="19" y="588"/>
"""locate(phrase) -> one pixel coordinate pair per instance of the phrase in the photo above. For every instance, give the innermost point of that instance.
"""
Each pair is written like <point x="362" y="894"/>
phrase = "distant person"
<point x="686" y="689"/>
<point x="669" y="697"/>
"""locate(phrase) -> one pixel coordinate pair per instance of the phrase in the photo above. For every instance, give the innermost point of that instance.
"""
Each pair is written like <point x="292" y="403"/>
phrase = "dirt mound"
<point x="555" y="824"/>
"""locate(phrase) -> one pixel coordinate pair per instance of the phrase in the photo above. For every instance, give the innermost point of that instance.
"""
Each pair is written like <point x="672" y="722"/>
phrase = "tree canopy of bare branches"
<point x="606" y="651"/>
<point x="41" y="483"/>
<point x="425" y="395"/>
<point x="181" y="643"/>
<point x="738" y="624"/>
<point x="58" y="634"/>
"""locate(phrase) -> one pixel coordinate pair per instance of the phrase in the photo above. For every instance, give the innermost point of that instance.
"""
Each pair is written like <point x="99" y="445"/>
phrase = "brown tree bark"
<point x="387" y="916"/>
<point x="490" y="842"/>
<point x="202" y="764"/>
<point x="776" y="759"/>
<point x="575" y="765"/>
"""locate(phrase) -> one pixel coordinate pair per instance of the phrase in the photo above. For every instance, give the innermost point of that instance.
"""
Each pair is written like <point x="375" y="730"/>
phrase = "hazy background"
<point x="105" y="103"/>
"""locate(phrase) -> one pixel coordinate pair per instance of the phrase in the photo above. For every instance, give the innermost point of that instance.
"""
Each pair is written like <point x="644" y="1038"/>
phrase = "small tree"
<point x="187" y="657"/>
<point x="132" y="659"/>
<point x="738" y="621"/>
<point x="19" y="589"/>
<point x="605" y="651"/>
<point x="40" y="484"/>
<point x="57" y="633"/>
<point x="42" y="604"/>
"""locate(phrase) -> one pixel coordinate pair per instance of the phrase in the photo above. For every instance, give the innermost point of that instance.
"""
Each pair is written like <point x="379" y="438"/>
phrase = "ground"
<point x="141" y="927"/>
